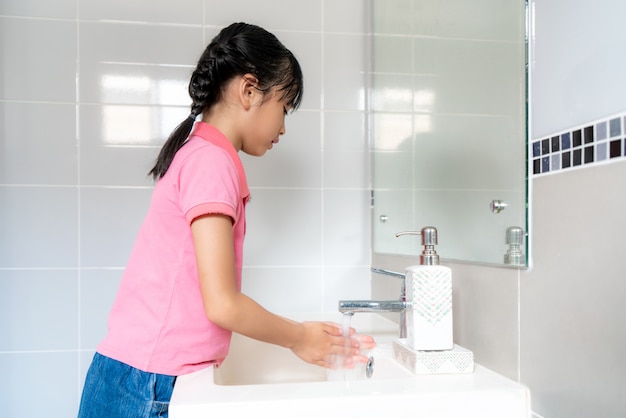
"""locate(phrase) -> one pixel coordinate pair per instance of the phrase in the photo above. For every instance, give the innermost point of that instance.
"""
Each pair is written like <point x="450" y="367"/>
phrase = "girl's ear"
<point x="249" y="92"/>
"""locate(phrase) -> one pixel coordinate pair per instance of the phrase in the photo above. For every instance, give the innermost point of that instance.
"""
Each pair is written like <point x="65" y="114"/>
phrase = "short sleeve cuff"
<point x="208" y="208"/>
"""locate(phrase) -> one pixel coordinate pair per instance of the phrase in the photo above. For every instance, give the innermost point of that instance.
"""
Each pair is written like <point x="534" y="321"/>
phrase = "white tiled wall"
<point x="88" y="92"/>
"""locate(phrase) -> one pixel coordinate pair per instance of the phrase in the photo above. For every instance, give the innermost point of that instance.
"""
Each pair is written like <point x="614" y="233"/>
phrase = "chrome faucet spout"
<point x="372" y="306"/>
<point x="400" y="305"/>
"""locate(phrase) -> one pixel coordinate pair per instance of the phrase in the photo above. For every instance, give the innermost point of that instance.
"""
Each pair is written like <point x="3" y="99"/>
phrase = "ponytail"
<point x="170" y="148"/>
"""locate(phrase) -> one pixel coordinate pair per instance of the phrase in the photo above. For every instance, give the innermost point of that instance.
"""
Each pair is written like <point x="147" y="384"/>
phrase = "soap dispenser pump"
<point x="429" y="296"/>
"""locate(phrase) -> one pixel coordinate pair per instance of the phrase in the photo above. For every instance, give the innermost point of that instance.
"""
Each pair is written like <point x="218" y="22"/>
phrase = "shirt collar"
<point x="211" y="134"/>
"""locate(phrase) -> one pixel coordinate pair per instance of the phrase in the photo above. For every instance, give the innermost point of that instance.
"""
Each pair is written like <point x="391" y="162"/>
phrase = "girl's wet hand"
<point x="366" y="342"/>
<point x="323" y="343"/>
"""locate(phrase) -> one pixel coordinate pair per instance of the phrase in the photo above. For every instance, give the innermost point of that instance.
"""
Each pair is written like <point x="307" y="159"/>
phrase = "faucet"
<point x="400" y="305"/>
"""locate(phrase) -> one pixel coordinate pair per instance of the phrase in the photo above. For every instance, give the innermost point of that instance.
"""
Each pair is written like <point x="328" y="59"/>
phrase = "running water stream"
<point x="345" y="325"/>
<point x="339" y="371"/>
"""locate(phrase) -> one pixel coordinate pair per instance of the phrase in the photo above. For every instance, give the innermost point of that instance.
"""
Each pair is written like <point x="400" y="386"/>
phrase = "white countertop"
<point x="481" y="394"/>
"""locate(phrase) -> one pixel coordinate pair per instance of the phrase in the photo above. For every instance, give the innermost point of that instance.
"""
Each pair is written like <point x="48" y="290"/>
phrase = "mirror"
<point x="447" y="114"/>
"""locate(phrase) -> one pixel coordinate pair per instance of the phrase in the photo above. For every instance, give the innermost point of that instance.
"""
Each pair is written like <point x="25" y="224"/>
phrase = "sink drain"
<point x="369" y="367"/>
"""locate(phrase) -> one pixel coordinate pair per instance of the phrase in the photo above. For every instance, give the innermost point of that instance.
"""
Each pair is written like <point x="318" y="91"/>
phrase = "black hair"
<point x="237" y="50"/>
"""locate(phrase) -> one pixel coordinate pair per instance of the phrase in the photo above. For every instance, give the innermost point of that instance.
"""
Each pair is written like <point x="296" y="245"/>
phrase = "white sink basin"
<point x="259" y="379"/>
<point x="271" y="364"/>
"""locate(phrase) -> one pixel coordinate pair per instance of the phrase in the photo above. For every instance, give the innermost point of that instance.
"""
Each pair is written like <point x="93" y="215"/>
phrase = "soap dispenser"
<point x="429" y="297"/>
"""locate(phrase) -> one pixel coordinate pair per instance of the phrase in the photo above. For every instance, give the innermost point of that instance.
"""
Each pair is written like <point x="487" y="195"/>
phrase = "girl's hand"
<point x="366" y="342"/>
<point x="322" y="342"/>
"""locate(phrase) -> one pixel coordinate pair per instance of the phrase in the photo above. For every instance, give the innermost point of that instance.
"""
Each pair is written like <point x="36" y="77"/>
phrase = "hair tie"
<point x="192" y="117"/>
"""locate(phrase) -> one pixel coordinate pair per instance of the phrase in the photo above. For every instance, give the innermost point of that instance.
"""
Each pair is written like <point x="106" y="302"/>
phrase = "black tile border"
<point x="599" y="142"/>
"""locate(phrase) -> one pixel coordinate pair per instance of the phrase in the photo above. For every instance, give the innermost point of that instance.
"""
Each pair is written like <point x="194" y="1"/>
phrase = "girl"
<point x="180" y="299"/>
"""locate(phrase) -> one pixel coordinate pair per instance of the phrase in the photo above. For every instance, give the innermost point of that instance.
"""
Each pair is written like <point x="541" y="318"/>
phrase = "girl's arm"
<point x="226" y="306"/>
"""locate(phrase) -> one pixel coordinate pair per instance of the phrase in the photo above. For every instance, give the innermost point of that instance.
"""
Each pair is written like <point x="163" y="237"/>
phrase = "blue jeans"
<point x="114" y="389"/>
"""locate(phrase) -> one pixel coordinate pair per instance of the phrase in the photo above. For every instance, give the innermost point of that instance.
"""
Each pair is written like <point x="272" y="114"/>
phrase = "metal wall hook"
<point x="497" y="206"/>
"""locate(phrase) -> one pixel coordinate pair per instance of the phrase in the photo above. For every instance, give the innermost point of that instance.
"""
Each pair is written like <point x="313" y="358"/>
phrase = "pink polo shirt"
<point x="158" y="323"/>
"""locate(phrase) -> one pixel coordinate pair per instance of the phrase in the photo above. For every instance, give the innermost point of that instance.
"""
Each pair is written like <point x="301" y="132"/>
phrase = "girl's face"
<point x="266" y="125"/>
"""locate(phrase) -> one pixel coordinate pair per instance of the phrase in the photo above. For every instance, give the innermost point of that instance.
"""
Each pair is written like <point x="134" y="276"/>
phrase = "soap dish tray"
<point x="455" y="360"/>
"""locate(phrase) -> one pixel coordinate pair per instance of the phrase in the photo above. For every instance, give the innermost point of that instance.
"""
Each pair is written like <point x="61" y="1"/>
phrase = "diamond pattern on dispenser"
<point x="431" y="293"/>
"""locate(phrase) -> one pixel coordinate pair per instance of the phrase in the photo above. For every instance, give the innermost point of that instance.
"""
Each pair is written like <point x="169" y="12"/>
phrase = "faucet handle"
<point x="387" y="272"/>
